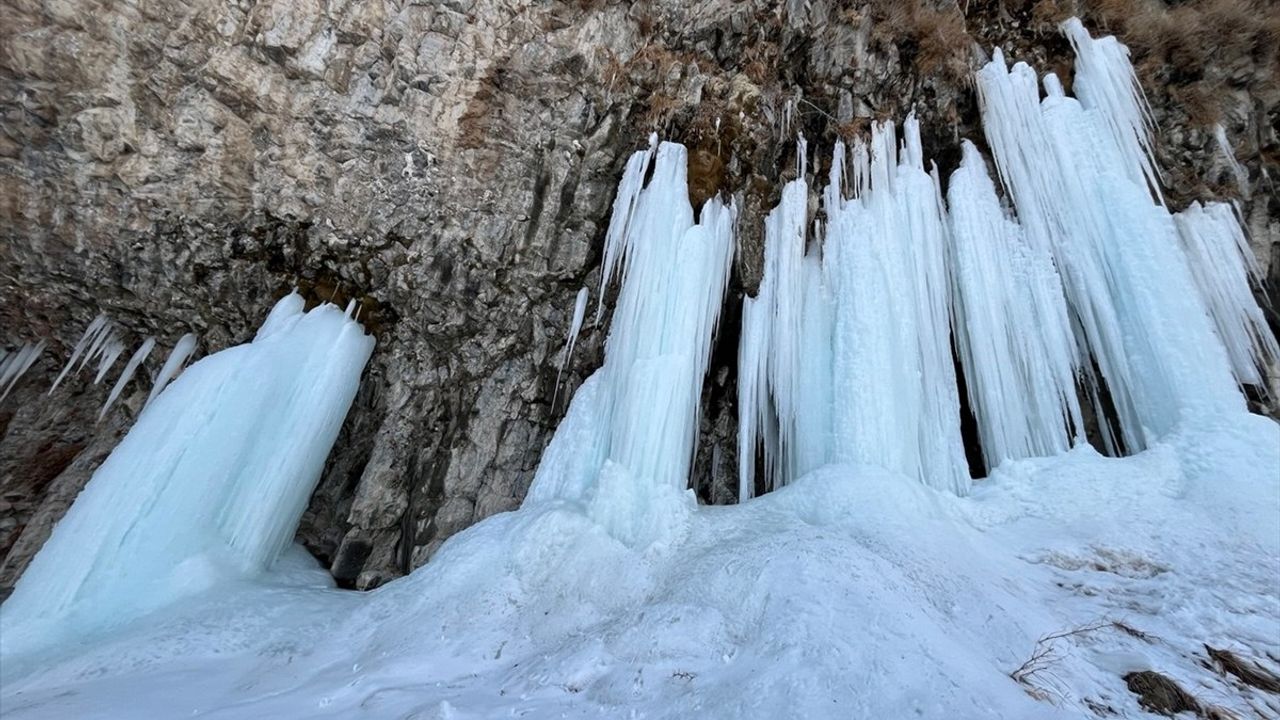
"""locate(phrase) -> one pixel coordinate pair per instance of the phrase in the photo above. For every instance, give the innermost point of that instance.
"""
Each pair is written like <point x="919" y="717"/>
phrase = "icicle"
<point x="110" y="352"/>
<point x="848" y="357"/>
<point x="16" y="364"/>
<point x="628" y="439"/>
<point x="894" y="401"/>
<point x="770" y="344"/>
<point x="127" y="374"/>
<point x="1105" y="81"/>
<point x="103" y="343"/>
<point x="284" y="315"/>
<point x="575" y="326"/>
<point x="1080" y="179"/>
<point x="96" y="328"/>
<point x="1237" y="172"/>
<point x="1013" y="332"/>
<point x="1224" y="268"/>
<point x="177" y="357"/>
<point x="208" y="486"/>
<point x="624" y="205"/>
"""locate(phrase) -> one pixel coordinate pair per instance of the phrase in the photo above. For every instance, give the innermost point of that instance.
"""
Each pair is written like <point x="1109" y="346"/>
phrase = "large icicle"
<point x="637" y="446"/>
<point x="1225" y="269"/>
<point x="181" y="351"/>
<point x="1013" y="331"/>
<point x="771" y="351"/>
<point x="575" y="327"/>
<point x="97" y="328"/>
<point x="1079" y="179"/>
<point x="139" y="356"/>
<point x="1104" y="79"/>
<point x="209" y="484"/>
<point x="848" y="357"/>
<point x="895" y="400"/>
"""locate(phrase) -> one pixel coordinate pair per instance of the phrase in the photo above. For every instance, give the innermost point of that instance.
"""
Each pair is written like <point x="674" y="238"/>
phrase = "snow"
<point x="851" y="592"/>
<point x="209" y="483"/>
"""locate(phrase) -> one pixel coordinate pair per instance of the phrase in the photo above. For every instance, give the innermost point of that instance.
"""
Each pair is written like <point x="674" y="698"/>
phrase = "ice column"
<point x="209" y="483"/>
<point x="1012" y="329"/>
<point x="894" y="400"/>
<point x="772" y="352"/>
<point x="1224" y="269"/>
<point x="635" y="421"/>
<point x="1079" y="182"/>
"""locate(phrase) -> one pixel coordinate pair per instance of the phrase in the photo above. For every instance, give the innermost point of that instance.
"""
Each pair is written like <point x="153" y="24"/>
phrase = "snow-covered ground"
<point x="851" y="593"/>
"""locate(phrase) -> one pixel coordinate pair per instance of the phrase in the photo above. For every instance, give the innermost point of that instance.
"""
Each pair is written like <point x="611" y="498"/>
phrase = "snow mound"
<point x="851" y="592"/>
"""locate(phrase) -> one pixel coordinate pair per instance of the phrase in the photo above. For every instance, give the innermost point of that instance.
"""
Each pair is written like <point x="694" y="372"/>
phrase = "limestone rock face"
<point x="450" y="167"/>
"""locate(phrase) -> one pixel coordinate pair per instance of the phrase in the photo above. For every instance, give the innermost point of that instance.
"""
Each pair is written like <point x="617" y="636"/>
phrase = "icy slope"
<point x="850" y="593"/>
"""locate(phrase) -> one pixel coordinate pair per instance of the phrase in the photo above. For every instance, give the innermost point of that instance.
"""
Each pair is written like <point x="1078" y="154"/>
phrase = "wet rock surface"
<point x="450" y="167"/>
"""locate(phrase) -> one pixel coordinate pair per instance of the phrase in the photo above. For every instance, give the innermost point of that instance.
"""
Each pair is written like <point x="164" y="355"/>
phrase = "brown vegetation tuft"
<point x="930" y="33"/>
<point x="1196" y="47"/>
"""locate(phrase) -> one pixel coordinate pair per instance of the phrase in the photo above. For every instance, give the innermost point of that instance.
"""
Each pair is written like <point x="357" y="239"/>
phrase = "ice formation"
<point x="575" y="326"/>
<point x="628" y="439"/>
<point x="845" y="352"/>
<point x="1079" y="177"/>
<point x="772" y="349"/>
<point x="13" y="365"/>
<point x="177" y="357"/>
<point x="1237" y="171"/>
<point x="847" y="358"/>
<point x="93" y="334"/>
<point x="139" y="356"/>
<point x="1012" y="329"/>
<point x="210" y="483"/>
<point x="846" y="375"/>
<point x="1225" y="270"/>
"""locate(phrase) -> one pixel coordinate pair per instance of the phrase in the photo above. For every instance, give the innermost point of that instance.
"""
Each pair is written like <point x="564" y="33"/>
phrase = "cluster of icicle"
<point x="209" y="483"/>
<point x="635" y="421"/>
<point x="101" y="344"/>
<point x="1087" y="281"/>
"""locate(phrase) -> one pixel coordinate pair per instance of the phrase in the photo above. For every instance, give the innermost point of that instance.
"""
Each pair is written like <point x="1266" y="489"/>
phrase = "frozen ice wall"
<point x="1225" y="271"/>
<point x="1080" y="176"/>
<point x="894" y="395"/>
<point x="628" y="439"/>
<point x="209" y="484"/>
<point x="783" y="380"/>
<point x="1012" y="329"/>
<point x="845" y="352"/>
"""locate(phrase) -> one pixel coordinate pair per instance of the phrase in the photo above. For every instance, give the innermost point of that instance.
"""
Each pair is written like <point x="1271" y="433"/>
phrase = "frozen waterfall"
<point x="209" y="484"/>
<point x="626" y="445"/>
